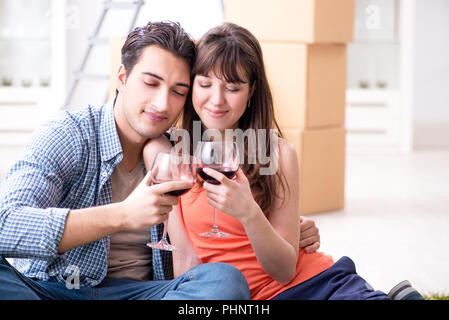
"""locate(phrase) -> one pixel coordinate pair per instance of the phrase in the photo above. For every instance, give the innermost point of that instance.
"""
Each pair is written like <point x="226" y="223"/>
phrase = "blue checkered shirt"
<point x="67" y="165"/>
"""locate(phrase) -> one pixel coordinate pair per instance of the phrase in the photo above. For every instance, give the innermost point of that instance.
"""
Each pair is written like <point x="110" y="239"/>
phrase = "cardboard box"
<point x="116" y="58"/>
<point x="294" y="20"/>
<point x="308" y="83"/>
<point x="321" y="155"/>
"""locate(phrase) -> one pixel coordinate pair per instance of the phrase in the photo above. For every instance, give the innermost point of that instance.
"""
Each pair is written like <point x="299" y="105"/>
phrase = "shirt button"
<point x="104" y="158"/>
<point x="104" y="174"/>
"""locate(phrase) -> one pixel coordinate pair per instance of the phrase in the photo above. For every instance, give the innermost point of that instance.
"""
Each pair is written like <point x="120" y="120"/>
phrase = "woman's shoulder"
<point x="285" y="145"/>
<point x="153" y="146"/>
<point x="286" y="150"/>
<point x="287" y="158"/>
<point x="161" y="143"/>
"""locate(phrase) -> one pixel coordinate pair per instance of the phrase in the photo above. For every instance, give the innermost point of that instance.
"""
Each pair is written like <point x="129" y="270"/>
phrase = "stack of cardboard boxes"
<point x="304" y="49"/>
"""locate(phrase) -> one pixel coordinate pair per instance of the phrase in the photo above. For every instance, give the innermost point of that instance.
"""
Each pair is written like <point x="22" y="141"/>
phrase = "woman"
<point x="230" y="91"/>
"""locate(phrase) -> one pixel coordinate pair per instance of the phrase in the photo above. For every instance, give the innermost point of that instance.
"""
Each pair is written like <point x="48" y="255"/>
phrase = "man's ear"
<point x="121" y="78"/>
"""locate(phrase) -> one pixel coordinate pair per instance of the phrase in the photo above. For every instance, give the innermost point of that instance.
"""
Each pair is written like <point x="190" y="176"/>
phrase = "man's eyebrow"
<point x="153" y="75"/>
<point x="162" y="79"/>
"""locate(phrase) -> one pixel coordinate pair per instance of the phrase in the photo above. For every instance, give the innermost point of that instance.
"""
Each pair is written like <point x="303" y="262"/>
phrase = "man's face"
<point x="153" y="94"/>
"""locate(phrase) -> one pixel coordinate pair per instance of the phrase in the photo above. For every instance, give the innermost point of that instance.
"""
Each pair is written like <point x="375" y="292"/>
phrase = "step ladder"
<point x="94" y="40"/>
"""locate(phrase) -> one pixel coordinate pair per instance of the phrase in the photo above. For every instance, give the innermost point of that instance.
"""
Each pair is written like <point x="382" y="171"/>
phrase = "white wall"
<point x="431" y="74"/>
<point x="25" y="58"/>
<point x="196" y="16"/>
<point x="430" y="62"/>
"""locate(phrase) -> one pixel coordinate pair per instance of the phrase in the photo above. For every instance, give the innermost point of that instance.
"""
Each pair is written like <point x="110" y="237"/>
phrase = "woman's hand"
<point x="232" y="197"/>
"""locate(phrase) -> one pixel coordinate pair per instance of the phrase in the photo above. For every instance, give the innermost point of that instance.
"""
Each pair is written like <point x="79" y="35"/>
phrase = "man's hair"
<point x="166" y="34"/>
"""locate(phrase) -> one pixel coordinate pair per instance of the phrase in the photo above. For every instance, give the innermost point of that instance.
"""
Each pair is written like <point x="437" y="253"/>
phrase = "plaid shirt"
<point x="67" y="165"/>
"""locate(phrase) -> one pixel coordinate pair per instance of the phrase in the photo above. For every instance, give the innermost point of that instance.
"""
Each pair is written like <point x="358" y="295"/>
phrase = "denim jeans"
<point x="211" y="281"/>
<point x="339" y="282"/>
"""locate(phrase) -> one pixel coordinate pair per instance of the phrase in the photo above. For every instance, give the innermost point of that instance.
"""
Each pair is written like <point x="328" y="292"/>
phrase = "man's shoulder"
<point x="72" y="124"/>
<point x="85" y="117"/>
<point x="68" y="131"/>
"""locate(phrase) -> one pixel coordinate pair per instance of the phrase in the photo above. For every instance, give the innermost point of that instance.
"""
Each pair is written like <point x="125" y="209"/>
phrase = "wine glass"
<point x="171" y="167"/>
<point x="222" y="156"/>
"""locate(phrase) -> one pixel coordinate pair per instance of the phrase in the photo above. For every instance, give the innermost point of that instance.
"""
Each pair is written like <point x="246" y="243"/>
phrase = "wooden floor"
<point x="395" y="225"/>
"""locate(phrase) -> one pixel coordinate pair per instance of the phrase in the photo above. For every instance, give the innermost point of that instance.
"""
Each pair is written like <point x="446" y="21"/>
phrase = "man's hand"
<point x="148" y="205"/>
<point x="310" y="236"/>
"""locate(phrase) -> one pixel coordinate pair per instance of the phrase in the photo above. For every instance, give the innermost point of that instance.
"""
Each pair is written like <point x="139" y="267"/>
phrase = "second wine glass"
<point x="222" y="156"/>
<point x="171" y="167"/>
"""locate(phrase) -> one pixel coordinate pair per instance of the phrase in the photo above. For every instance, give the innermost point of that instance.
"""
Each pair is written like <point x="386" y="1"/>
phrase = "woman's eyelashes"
<point x="204" y="84"/>
<point x="230" y="88"/>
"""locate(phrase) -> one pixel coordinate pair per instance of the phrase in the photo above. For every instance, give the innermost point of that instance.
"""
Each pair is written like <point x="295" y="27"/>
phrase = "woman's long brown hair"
<point x="233" y="53"/>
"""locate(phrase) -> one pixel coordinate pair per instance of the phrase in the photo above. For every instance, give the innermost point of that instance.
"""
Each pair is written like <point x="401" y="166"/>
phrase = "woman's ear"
<point x="251" y="90"/>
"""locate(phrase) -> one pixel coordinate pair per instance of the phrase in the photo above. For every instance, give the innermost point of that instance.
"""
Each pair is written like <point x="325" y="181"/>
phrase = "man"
<point x="76" y="210"/>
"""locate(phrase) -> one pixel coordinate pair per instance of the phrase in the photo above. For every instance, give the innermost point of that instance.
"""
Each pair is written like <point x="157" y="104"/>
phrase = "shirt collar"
<point x="110" y="146"/>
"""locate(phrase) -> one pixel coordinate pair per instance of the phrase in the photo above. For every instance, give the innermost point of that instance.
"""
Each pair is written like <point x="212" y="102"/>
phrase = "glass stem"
<point x="164" y="233"/>
<point x="215" y="226"/>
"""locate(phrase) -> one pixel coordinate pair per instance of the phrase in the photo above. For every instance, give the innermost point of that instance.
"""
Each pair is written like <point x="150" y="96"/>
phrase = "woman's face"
<point x="218" y="103"/>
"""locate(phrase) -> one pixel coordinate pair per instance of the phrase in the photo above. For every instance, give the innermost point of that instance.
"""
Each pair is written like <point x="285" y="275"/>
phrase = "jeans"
<point x="339" y="282"/>
<point x="211" y="281"/>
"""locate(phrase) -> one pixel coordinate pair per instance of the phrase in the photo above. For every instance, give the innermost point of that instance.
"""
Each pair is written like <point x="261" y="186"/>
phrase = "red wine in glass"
<point x="222" y="156"/>
<point x="170" y="167"/>
<point x="175" y="193"/>
<point x="228" y="172"/>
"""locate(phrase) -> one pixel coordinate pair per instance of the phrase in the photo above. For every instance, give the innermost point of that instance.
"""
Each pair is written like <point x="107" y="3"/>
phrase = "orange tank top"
<point x="197" y="217"/>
